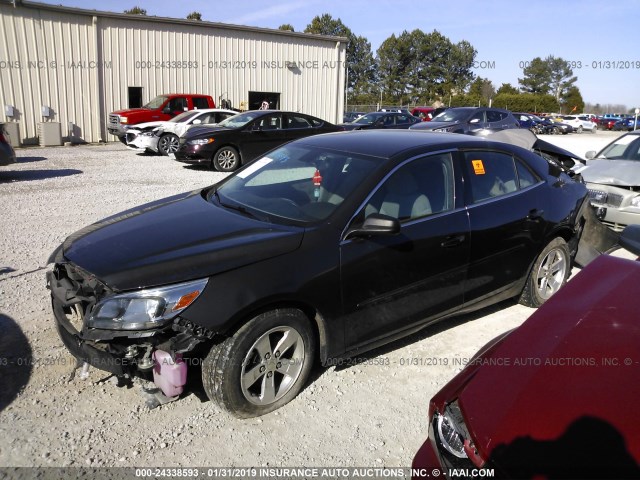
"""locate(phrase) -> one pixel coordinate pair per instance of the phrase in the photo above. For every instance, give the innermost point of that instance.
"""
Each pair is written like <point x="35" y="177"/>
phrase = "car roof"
<point x="389" y="143"/>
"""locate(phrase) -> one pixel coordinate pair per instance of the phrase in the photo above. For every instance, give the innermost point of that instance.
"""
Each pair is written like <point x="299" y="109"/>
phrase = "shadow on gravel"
<point x="16" y="360"/>
<point x="203" y="167"/>
<point x="31" y="159"/>
<point x="426" y="332"/>
<point x="30" y="175"/>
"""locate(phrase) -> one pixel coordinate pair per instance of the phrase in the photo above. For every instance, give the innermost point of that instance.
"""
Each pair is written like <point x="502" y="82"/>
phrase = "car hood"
<point x="197" y="130"/>
<point x="433" y="125"/>
<point x="621" y="173"/>
<point x="352" y="126"/>
<point x="175" y="239"/>
<point x="131" y="111"/>
<point x="570" y="361"/>
<point x="141" y="126"/>
<point x="524" y="138"/>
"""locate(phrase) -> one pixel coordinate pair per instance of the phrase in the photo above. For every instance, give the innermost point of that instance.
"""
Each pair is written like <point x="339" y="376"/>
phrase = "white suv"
<point x="580" y="123"/>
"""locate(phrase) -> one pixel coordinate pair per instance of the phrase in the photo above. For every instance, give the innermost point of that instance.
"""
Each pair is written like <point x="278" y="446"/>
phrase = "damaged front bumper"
<point x="142" y="140"/>
<point x="161" y="353"/>
<point x="615" y="206"/>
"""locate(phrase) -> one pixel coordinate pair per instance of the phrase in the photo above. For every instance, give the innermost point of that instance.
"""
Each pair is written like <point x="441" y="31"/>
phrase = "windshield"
<point x="156" y="102"/>
<point x="369" y="118"/>
<point x="626" y="147"/>
<point x="453" y="115"/>
<point x="241" y="119"/>
<point x="300" y="183"/>
<point x="185" y="117"/>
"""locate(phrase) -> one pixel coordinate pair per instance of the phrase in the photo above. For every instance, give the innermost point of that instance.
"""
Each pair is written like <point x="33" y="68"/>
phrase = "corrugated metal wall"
<point x="81" y="65"/>
<point x="38" y="55"/>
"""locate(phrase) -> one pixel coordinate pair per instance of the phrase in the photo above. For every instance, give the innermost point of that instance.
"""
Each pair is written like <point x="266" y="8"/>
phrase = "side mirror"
<point x="166" y="110"/>
<point x="197" y="121"/>
<point x="475" y="120"/>
<point x="256" y="127"/>
<point x="375" y="224"/>
<point x="590" y="154"/>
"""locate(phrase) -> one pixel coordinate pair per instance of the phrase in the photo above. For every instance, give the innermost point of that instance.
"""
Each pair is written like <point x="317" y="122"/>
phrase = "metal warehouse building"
<point x="73" y="67"/>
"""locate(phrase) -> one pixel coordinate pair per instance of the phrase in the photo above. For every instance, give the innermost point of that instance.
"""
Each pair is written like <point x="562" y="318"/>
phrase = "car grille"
<point x="114" y="119"/>
<point x="604" y="198"/>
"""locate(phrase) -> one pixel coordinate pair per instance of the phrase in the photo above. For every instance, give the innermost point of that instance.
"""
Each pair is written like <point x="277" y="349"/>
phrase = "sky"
<point x="600" y="38"/>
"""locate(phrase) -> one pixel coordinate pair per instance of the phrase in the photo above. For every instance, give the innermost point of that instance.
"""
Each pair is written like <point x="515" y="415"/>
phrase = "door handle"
<point x="453" y="241"/>
<point x="535" y="214"/>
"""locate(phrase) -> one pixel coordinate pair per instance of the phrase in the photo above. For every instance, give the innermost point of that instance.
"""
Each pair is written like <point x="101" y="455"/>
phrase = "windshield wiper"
<point x="238" y="208"/>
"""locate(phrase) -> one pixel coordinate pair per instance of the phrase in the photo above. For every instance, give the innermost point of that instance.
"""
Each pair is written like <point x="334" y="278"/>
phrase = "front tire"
<point x="226" y="159"/>
<point x="263" y="366"/>
<point x="549" y="272"/>
<point x="168" y="143"/>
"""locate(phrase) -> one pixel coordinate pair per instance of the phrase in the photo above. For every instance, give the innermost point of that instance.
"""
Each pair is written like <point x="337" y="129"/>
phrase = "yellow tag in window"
<point x="478" y="167"/>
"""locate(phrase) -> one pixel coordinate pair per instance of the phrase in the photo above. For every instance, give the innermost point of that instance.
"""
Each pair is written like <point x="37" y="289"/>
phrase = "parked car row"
<point x="163" y="136"/>
<point x="240" y="138"/>
<point x="618" y="121"/>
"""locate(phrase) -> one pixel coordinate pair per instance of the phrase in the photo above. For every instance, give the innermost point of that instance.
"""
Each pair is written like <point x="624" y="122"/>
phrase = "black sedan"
<point x="470" y="120"/>
<point x="244" y="137"/>
<point x="323" y="248"/>
<point x="382" y="120"/>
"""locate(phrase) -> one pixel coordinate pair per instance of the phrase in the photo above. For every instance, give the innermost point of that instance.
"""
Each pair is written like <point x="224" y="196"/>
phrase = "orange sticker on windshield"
<point x="478" y="167"/>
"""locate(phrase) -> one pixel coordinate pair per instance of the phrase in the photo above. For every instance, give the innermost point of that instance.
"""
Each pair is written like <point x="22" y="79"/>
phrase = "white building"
<point x="73" y="66"/>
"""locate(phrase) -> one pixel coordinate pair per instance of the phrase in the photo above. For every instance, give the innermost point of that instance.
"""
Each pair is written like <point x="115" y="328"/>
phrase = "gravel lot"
<point x="372" y="413"/>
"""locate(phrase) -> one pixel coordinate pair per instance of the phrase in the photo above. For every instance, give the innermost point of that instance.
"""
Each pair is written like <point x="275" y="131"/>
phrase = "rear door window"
<point x="200" y="103"/>
<point x="490" y="174"/>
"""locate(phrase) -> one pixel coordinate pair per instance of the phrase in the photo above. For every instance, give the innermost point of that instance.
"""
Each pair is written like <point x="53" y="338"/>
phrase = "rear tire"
<point x="263" y="366"/>
<point x="550" y="271"/>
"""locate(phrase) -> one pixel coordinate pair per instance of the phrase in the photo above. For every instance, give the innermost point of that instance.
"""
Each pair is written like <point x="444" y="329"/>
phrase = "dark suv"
<point x="470" y="120"/>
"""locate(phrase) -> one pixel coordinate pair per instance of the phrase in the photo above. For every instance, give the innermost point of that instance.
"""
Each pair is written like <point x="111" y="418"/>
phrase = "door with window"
<point x="261" y="135"/>
<point x="505" y="204"/>
<point x="390" y="283"/>
<point x="176" y="106"/>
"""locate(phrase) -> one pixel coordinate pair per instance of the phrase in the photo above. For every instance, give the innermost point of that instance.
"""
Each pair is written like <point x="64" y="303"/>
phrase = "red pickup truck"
<point x="163" y="107"/>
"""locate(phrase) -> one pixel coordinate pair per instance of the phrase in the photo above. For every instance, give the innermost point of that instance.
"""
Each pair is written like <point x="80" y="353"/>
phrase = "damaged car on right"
<point x="613" y="180"/>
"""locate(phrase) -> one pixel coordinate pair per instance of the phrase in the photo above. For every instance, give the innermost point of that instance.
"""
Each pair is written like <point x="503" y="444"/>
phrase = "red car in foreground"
<point x="556" y="397"/>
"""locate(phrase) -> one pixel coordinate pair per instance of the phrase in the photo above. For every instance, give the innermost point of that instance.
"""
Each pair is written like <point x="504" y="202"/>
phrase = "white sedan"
<point x="580" y="124"/>
<point x="163" y="137"/>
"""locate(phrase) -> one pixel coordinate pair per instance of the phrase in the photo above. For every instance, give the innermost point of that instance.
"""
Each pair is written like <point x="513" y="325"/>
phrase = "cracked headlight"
<point x="144" y="309"/>
<point x="635" y="201"/>
<point x="452" y="431"/>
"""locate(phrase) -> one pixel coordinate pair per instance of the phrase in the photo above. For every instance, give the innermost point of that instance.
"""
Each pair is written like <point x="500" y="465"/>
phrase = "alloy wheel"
<point x="551" y="273"/>
<point x="272" y="365"/>
<point x="169" y="144"/>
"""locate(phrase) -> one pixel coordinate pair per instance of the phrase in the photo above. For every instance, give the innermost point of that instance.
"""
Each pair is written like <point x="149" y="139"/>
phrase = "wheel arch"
<point x="317" y="321"/>
<point x="568" y="235"/>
